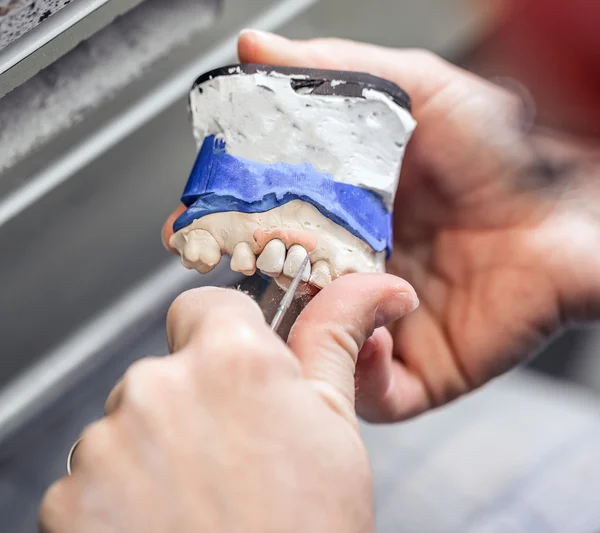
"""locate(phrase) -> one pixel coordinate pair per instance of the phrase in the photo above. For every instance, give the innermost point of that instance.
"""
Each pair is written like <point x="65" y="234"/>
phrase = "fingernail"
<point x="264" y="35"/>
<point x="395" y="307"/>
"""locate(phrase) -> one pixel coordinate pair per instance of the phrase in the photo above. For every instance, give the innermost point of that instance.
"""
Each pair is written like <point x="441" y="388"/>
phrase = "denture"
<point x="293" y="162"/>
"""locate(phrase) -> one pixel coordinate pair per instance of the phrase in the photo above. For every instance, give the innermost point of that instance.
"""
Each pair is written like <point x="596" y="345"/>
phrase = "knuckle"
<point x="231" y="340"/>
<point x="246" y="336"/>
<point x="53" y="496"/>
<point x="145" y="370"/>
<point x="50" y="508"/>
<point x="266" y="365"/>
<point x="184" y="319"/>
<point x="249" y="354"/>
<point x="255" y="368"/>
<point x="147" y="382"/>
<point x="97" y="441"/>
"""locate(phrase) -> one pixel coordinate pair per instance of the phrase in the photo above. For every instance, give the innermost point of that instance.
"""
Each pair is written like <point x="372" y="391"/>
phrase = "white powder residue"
<point x="275" y="74"/>
<point x="360" y="141"/>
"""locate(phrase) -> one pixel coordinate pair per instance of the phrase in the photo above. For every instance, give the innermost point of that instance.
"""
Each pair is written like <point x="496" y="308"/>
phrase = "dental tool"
<point x="288" y="297"/>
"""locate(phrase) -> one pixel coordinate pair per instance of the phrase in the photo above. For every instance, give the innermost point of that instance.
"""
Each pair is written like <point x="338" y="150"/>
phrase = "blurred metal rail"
<point x="54" y="37"/>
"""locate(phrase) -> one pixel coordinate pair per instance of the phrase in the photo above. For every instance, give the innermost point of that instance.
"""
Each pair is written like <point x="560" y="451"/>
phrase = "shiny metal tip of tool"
<point x="288" y="298"/>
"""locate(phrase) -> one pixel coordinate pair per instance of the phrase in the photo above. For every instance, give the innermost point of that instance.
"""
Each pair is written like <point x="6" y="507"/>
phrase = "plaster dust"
<point x="336" y="249"/>
<point x="359" y="141"/>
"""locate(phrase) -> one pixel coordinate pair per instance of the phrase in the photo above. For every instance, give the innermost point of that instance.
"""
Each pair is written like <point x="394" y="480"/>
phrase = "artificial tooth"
<point x="272" y="259"/>
<point x="243" y="259"/>
<point x="202" y="250"/>
<point x="187" y="264"/>
<point x="295" y="257"/>
<point x="321" y="275"/>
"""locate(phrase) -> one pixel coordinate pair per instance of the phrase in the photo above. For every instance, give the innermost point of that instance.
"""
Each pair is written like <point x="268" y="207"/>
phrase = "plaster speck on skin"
<point x="275" y="74"/>
<point x="359" y="141"/>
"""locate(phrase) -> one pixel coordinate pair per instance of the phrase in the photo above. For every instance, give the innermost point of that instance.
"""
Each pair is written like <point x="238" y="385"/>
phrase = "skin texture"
<point x="237" y="431"/>
<point x="496" y="229"/>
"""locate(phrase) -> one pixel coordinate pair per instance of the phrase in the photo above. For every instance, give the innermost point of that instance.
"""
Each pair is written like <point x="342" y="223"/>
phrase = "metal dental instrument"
<point x="288" y="298"/>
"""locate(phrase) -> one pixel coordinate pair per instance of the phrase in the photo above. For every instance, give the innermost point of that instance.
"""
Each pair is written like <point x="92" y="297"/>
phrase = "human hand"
<point x="496" y="230"/>
<point x="236" y="431"/>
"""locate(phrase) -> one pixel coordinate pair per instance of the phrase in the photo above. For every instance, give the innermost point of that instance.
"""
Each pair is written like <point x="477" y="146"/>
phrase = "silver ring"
<point x="71" y="455"/>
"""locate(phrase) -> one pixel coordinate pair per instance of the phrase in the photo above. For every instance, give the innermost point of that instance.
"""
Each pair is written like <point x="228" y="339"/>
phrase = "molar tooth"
<point x="271" y="261"/>
<point x="243" y="259"/>
<point x="202" y="250"/>
<point x="295" y="257"/>
<point x="177" y="242"/>
<point x="321" y="274"/>
<point x="186" y="263"/>
<point x="198" y="266"/>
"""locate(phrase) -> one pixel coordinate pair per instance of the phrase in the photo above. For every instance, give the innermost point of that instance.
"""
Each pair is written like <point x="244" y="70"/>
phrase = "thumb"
<point x="329" y="334"/>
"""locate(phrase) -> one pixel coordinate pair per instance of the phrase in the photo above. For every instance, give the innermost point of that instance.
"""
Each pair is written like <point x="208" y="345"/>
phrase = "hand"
<point x="497" y="231"/>
<point x="237" y="431"/>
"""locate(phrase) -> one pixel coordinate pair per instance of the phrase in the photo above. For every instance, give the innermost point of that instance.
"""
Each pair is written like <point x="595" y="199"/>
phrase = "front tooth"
<point x="243" y="259"/>
<point x="295" y="257"/>
<point x="202" y="250"/>
<point x="271" y="260"/>
<point x="321" y="275"/>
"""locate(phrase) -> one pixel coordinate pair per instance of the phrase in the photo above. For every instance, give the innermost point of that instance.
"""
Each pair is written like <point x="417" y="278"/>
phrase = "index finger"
<point x="216" y="309"/>
<point x="419" y="72"/>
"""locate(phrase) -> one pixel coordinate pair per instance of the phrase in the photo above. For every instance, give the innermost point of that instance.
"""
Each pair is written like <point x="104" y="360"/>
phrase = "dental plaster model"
<point x="293" y="161"/>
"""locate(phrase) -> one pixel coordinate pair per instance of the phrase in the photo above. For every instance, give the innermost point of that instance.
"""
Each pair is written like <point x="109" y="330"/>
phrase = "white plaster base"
<point x="358" y="140"/>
